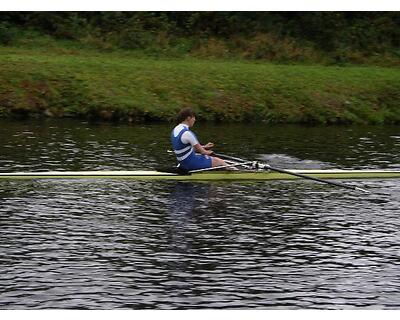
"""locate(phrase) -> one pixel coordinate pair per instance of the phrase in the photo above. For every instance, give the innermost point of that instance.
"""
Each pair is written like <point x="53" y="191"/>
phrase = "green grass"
<point x="86" y="83"/>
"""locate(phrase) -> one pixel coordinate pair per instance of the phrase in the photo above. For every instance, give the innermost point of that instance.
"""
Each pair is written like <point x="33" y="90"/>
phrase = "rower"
<point x="190" y="154"/>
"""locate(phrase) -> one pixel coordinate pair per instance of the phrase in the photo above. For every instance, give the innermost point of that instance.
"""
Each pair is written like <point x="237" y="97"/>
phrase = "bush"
<point x="133" y="38"/>
<point x="7" y="33"/>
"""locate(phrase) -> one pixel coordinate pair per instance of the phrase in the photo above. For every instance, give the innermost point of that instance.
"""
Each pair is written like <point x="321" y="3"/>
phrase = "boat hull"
<point x="207" y="176"/>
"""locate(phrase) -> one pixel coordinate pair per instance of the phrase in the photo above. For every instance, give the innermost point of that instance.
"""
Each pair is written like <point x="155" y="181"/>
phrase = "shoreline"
<point x="120" y="88"/>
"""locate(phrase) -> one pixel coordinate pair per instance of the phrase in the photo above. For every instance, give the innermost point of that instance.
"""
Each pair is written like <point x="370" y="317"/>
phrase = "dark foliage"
<point x="329" y="32"/>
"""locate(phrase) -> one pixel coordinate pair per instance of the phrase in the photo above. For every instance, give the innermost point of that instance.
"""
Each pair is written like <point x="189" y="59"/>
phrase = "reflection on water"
<point x="97" y="244"/>
<point x="74" y="145"/>
<point x="185" y="198"/>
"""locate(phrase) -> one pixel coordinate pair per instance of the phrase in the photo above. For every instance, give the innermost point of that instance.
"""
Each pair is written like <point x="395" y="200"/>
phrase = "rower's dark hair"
<point x="184" y="113"/>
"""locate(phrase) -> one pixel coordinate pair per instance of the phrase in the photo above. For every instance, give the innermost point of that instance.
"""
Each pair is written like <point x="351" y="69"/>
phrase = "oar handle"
<point x="224" y="156"/>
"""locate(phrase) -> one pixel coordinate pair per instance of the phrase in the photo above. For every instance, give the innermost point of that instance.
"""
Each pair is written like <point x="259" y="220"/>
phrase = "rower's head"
<point x="187" y="116"/>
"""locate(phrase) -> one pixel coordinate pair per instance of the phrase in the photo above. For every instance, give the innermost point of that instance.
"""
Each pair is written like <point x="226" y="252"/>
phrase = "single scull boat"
<point x="205" y="175"/>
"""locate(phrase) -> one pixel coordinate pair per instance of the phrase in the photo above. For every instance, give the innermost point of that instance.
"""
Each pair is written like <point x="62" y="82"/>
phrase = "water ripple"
<point x="169" y="245"/>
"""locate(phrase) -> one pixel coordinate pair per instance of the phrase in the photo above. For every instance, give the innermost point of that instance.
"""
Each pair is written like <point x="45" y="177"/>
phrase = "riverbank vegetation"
<point x="281" y="37"/>
<point x="146" y="66"/>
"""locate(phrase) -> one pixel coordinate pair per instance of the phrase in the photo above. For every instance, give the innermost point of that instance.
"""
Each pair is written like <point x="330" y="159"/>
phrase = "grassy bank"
<point x="119" y="86"/>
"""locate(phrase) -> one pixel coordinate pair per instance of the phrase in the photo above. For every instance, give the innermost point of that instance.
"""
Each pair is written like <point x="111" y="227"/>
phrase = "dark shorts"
<point x="196" y="161"/>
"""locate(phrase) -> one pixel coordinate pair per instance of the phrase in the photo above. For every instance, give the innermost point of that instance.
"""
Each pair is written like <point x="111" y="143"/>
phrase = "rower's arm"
<point x="199" y="149"/>
<point x="189" y="137"/>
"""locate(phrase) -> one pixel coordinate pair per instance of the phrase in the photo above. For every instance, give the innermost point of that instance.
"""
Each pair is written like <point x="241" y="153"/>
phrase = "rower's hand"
<point x="209" y="152"/>
<point x="208" y="145"/>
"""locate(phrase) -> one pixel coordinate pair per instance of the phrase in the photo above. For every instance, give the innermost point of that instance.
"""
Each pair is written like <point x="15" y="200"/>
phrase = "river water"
<point x="125" y="244"/>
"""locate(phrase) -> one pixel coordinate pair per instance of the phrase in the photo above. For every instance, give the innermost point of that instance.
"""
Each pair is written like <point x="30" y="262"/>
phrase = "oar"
<point x="267" y="166"/>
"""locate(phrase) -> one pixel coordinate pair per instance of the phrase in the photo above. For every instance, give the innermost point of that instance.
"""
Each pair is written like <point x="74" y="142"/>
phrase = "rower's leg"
<point x="217" y="162"/>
